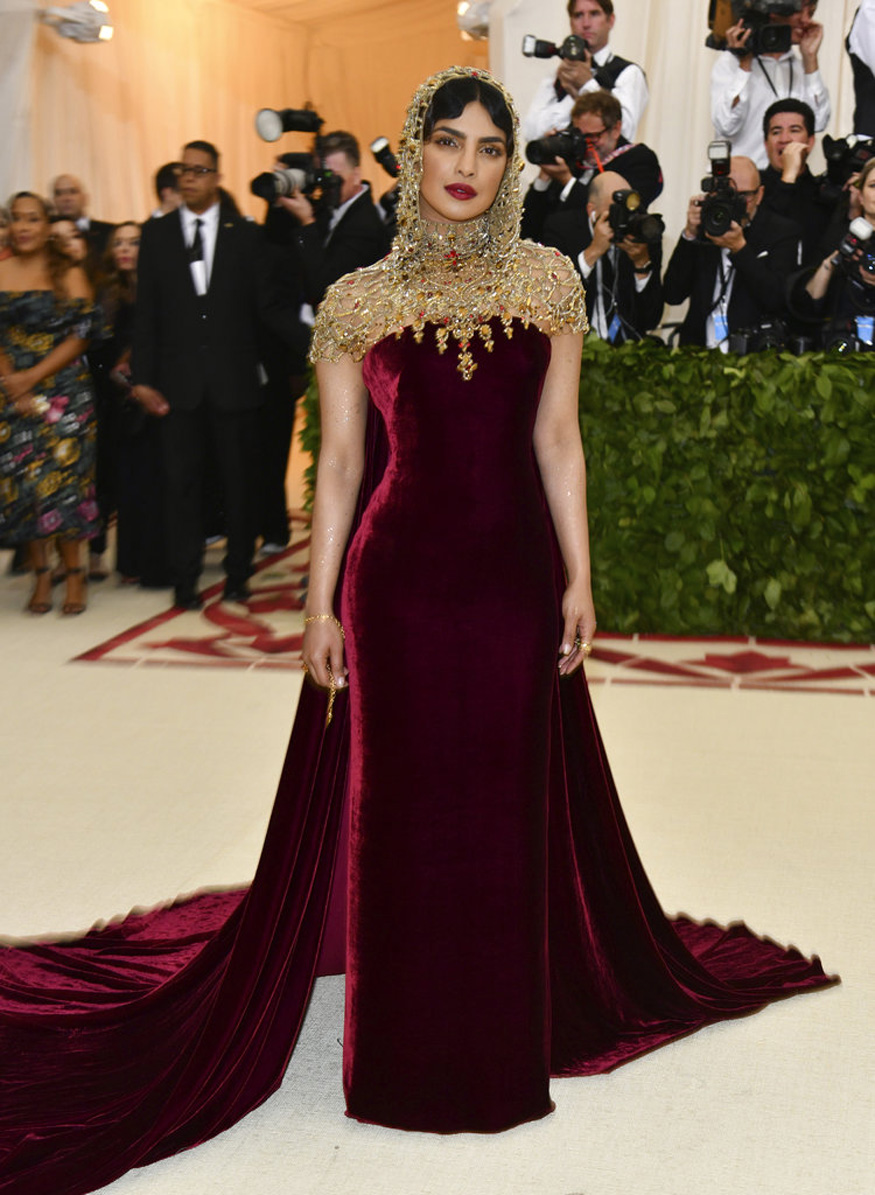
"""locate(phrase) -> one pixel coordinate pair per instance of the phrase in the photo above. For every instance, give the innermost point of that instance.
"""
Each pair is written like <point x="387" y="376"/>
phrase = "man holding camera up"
<point x="619" y="264"/>
<point x="330" y="243"/>
<point x="593" y="142"/>
<point x="734" y="275"/>
<point x="591" y="20"/>
<point x="747" y="78"/>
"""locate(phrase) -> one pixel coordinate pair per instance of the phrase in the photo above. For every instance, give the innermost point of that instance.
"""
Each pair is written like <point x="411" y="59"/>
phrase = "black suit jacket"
<point x="762" y="269"/>
<point x="639" y="311"/>
<point x="638" y="165"/>
<point x="358" y="239"/>
<point x="803" y="203"/>
<point x="194" y="348"/>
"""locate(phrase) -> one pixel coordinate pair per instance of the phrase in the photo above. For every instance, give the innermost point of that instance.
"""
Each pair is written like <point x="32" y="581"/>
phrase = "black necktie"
<point x="196" y="249"/>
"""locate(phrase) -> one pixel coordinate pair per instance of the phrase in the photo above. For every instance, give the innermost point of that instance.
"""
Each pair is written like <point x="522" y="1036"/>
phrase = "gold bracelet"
<point x="326" y="618"/>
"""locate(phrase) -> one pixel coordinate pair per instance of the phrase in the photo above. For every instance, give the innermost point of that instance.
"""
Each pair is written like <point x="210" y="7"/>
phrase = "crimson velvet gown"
<point x="501" y="927"/>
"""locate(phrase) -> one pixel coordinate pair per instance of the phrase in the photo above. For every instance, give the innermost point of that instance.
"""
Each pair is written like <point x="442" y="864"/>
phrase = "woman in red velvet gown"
<point x="500" y="925"/>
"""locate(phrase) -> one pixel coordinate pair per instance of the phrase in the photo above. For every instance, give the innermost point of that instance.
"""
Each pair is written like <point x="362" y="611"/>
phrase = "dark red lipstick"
<point x="460" y="191"/>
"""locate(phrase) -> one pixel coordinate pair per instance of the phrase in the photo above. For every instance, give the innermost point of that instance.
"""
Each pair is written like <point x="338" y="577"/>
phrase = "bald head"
<point x="746" y="177"/>
<point x="69" y="197"/>
<point x="601" y="191"/>
<point x="744" y="174"/>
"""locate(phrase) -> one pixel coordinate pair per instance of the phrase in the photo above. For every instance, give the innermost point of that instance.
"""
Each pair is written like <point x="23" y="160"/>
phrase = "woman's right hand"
<point x="322" y="653"/>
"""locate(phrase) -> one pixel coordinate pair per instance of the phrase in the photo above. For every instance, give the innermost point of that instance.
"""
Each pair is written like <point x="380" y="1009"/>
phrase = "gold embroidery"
<point x="458" y="277"/>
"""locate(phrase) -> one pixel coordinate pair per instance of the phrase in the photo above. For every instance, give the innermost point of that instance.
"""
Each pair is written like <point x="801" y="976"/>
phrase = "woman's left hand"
<point x="17" y="384"/>
<point x="578" y="613"/>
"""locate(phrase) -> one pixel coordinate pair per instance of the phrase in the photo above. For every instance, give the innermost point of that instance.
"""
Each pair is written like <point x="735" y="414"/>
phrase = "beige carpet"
<point x="123" y="786"/>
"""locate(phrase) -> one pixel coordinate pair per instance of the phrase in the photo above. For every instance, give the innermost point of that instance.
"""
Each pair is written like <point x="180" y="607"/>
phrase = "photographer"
<point x="789" y="187"/>
<point x="331" y="242"/>
<point x="743" y="85"/>
<point x="839" y="294"/>
<point x="735" y="280"/>
<point x="621" y="277"/>
<point x="593" y="21"/>
<point x="596" y="142"/>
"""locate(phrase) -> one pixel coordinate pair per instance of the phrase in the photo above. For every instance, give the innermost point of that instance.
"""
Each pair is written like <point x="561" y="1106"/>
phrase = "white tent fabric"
<point x="113" y="112"/>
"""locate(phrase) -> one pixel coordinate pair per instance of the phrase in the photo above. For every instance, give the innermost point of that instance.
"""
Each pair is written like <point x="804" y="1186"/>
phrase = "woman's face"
<point x="29" y="226"/>
<point x="125" y="247"/>
<point x="867" y="197"/>
<point x="70" y="240"/>
<point x="463" y="163"/>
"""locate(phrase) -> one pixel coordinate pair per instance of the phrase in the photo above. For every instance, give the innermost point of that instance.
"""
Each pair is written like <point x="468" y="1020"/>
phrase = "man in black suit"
<point x="737" y="280"/>
<point x="71" y="202"/>
<point x="204" y="284"/>
<point x="598" y="116"/>
<point x="789" y="187"/>
<point x="623" y="288"/>
<point x="332" y="242"/>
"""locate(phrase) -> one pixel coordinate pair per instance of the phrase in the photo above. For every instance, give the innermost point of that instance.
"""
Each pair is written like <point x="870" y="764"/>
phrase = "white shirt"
<point x="547" y="112"/>
<point x="201" y="271"/>
<point x="861" y="40"/>
<point x="768" y="80"/>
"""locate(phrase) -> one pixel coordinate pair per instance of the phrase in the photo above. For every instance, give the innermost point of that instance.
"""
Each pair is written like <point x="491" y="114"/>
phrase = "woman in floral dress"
<point x="47" y="425"/>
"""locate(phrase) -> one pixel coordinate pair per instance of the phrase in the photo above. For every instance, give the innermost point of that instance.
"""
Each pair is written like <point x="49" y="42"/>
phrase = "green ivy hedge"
<point x="727" y="495"/>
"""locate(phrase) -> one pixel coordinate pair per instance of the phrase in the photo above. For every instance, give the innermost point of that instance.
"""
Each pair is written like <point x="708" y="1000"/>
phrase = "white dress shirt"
<point x="769" y="79"/>
<point x="861" y="40"/>
<point x="547" y="112"/>
<point x="201" y="271"/>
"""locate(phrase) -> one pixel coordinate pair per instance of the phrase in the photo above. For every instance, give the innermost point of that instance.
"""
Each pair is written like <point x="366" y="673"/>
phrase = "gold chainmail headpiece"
<point x="457" y="276"/>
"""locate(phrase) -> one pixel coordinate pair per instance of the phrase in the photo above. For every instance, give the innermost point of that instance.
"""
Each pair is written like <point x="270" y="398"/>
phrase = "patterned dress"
<point x="47" y="460"/>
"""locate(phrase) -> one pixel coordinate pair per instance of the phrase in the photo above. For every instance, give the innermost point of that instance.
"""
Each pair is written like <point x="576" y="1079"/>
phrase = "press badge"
<point x="721" y="326"/>
<point x="866" y="329"/>
<point x="614" y="329"/>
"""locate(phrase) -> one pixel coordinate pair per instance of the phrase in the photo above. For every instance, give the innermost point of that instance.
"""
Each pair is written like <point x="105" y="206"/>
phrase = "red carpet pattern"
<point x="267" y="631"/>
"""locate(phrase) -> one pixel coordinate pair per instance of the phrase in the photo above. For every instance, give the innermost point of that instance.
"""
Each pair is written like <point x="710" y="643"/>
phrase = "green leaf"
<point x="772" y="593"/>
<point x="823" y="385"/>
<point x="720" y="575"/>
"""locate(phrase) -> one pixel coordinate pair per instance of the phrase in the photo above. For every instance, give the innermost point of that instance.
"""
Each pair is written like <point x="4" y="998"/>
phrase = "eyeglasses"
<point x="595" y="135"/>
<point x="747" y="194"/>
<point x="198" y="171"/>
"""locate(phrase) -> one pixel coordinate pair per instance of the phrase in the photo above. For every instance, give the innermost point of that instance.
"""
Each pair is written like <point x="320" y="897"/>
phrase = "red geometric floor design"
<point x="267" y="631"/>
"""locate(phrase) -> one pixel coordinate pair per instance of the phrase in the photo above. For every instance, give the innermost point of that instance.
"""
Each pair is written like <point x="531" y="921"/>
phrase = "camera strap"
<point x="770" y="81"/>
<point x="719" y="310"/>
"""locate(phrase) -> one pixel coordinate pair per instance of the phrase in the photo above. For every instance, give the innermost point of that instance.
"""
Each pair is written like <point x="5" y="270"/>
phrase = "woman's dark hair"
<point x="58" y="261"/>
<point x="116" y="286"/>
<point x="453" y="98"/>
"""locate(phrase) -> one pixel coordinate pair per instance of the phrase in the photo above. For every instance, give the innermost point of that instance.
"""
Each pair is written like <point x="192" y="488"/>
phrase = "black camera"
<point x="857" y="247"/>
<point x="722" y="204"/>
<point x="769" y="335"/>
<point x="628" y="220"/>
<point x="755" y="15"/>
<point x="382" y="151"/>
<point x="845" y="156"/>
<point x="299" y="172"/>
<point x="271" y="123"/>
<point x="571" y="145"/>
<point x="573" y="49"/>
